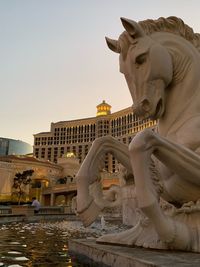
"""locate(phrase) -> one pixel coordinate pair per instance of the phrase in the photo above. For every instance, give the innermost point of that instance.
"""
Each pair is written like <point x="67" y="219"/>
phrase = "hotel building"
<point x="76" y="136"/>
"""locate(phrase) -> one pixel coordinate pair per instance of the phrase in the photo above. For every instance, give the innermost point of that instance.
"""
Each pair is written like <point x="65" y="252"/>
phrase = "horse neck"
<point x="183" y="94"/>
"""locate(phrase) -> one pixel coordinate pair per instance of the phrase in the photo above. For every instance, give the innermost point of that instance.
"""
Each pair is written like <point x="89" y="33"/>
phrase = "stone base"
<point x="89" y="252"/>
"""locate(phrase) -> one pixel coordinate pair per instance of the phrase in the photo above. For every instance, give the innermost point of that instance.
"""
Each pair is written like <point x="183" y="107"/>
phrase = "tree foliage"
<point x="21" y="180"/>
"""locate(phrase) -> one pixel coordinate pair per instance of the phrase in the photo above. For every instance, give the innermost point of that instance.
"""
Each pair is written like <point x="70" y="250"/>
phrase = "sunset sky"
<point x="54" y="62"/>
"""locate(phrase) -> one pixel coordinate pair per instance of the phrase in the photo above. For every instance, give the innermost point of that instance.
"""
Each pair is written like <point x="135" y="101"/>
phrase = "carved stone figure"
<point x="160" y="60"/>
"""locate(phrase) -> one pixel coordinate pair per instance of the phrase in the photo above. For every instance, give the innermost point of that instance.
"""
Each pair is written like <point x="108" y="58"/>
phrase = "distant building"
<point x="76" y="136"/>
<point x="14" y="147"/>
<point x="45" y="174"/>
<point x="51" y="183"/>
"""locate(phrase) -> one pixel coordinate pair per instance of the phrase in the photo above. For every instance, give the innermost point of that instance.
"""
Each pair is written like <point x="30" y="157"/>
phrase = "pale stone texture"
<point x="129" y="205"/>
<point x="118" y="256"/>
<point x="161" y="63"/>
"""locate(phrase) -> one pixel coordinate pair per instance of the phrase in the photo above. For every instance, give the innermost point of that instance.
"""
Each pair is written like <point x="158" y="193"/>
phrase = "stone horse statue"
<point x="160" y="60"/>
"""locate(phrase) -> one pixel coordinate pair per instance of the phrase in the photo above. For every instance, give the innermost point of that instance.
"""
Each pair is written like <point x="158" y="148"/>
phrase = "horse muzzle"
<point x="142" y="109"/>
<point x="146" y="109"/>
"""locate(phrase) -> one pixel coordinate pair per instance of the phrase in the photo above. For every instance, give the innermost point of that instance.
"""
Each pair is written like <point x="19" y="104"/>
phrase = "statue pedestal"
<point x="88" y="251"/>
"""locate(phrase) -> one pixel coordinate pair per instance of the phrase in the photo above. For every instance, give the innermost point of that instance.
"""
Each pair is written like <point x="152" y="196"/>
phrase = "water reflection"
<point x="37" y="244"/>
<point x="44" y="244"/>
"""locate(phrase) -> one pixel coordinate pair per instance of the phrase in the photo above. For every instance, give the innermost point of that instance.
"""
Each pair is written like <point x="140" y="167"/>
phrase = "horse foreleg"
<point x="176" y="157"/>
<point x="88" y="174"/>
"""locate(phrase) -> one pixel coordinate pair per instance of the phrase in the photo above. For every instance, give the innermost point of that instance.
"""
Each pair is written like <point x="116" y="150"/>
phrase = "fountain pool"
<point x="43" y="244"/>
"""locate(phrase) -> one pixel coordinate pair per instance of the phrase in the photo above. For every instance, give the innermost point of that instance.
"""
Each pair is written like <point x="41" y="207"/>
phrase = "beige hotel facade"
<point x="76" y="136"/>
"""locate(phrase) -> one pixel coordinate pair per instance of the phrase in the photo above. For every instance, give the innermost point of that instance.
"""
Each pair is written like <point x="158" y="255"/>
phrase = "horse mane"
<point x="173" y="25"/>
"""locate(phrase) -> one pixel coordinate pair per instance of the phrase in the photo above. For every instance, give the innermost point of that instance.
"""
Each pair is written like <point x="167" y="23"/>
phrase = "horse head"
<point x="147" y="67"/>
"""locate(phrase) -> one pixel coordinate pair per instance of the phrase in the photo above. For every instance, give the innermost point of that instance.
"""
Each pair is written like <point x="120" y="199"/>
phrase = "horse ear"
<point x="132" y="27"/>
<point x="113" y="45"/>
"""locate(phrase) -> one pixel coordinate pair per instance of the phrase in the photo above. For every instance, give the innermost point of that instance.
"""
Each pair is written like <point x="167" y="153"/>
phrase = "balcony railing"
<point x="69" y="187"/>
<point x="57" y="188"/>
<point x="5" y="210"/>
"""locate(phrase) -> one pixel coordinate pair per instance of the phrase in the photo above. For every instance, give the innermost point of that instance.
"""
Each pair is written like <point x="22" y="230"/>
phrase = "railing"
<point x="5" y="210"/>
<point x="29" y="210"/>
<point x="107" y="181"/>
<point x="108" y="175"/>
<point x="60" y="188"/>
<point x="51" y="210"/>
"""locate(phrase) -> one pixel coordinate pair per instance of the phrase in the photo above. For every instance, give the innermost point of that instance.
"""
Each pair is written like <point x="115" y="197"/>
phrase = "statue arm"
<point x="88" y="174"/>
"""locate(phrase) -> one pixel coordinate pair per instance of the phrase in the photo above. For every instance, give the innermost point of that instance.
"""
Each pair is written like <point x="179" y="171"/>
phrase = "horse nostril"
<point x="145" y="105"/>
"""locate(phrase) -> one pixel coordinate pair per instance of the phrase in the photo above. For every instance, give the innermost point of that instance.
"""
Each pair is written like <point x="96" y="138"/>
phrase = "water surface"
<point x="43" y="244"/>
<point x="38" y="244"/>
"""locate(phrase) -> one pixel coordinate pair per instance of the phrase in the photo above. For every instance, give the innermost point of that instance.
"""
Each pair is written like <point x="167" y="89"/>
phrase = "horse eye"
<point x="141" y="59"/>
